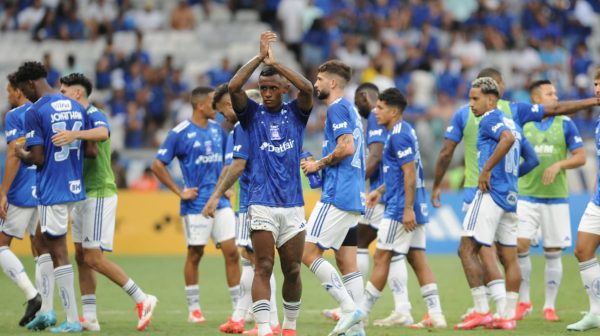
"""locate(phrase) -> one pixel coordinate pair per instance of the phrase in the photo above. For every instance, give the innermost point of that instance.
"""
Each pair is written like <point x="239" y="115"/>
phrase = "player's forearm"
<point x="501" y="150"/>
<point x="381" y="189"/>
<point x="443" y="162"/>
<point x="569" y="106"/>
<point x="410" y="183"/>
<point x="95" y="134"/>
<point x="243" y="74"/>
<point x="161" y="172"/>
<point x="373" y="159"/>
<point x="299" y="81"/>
<point x="576" y="160"/>
<point x="232" y="175"/>
<point x="343" y="149"/>
<point x="10" y="170"/>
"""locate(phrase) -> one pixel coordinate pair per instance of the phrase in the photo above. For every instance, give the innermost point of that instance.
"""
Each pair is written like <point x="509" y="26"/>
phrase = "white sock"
<point x="64" y="281"/>
<point x="480" y="301"/>
<point x="290" y="314"/>
<point x="134" y="291"/>
<point x="512" y="298"/>
<point x="398" y="281"/>
<point x="331" y="281"/>
<point x="363" y="259"/>
<point x="371" y="296"/>
<point x="88" y="305"/>
<point x="590" y="275"/>
<point x="45" y="281"/>
<point x="552" y="275"/>
<point x="260" y="309"/>
<point x="525" y="265"/>
<point x="431" y="297"/>
<point x="234" y="294"/>
<point x="193" y="297"/>
<point x="498" y="293"/>
<point x="354" y="285"/>
<point x="245" y="300"/>
<point x="13" y="268"/>
<point x="273" y="317"/>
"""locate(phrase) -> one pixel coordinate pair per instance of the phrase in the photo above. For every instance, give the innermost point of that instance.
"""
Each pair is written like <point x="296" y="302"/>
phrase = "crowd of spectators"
<point x="429" y="49"/>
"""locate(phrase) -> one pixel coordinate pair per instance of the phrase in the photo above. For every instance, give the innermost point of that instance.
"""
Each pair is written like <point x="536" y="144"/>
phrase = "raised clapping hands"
<point x="266" y="38"/>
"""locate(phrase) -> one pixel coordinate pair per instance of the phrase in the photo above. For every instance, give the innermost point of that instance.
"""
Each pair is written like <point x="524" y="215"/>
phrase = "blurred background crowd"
<point x="145" y="56"/>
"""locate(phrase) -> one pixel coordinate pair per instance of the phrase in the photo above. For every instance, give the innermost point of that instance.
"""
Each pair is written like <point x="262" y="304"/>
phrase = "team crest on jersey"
<point x="208" y="147"/>
<point x="275" y="133"/>
<point x="75" y="186"/>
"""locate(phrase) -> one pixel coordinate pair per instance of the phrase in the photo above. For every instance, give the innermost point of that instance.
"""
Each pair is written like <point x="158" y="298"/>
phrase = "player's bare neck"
<point x="334" y="95"/>
<point x="199" y="120"/>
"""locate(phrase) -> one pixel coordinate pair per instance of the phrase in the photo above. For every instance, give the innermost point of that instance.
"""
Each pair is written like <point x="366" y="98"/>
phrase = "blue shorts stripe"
<point x="316" y="229"/>
<point x="475" y="213"/>
<point x="318" y="221"/>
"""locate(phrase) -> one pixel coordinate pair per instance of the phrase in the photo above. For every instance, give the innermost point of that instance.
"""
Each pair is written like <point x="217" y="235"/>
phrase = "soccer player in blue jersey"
<point x="18" y="203"/>
<point x="464" y="127"/>
<point x="402" y="230"/>
<point x="342" y="199"/>
<point x="543" y="198"/>
<point x="588" y="240"/>
<point x="94" y="218"/>
<point x="236" y="161"/>
<point x="199" y="144"/>
<point x="276" y="206"/>
<point x="500" y="145"/>
<point x="59" y="178"/>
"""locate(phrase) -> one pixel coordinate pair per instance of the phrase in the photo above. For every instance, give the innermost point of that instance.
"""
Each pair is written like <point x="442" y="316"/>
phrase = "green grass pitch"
<point x="162" y="276"/>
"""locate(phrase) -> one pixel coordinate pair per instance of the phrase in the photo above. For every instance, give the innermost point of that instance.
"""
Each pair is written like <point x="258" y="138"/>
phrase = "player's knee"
<point x="79" y="257"/>
<point x="232" y="255"/>
<point x="291" y="270"/>
<point x="195" y="253"/>
<point x="263" y="267"/>
<point x="583" y="253"/>
<point x="92" y="259"/>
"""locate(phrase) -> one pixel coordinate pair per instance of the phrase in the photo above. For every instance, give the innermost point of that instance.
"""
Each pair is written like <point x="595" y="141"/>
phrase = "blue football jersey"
<point x="95" y="118"/>
<point x="375" y="133"/>
<point x="22" y="191"/>
<point x="60" y="179"/>
<point x="596" y="197"/>
<point x="402" y="147"/>
<point x="505" y="174"/>
<point x="275" y="141"/>
<point x="241" y="151"/>
<point x="344" y="183"/>
<point x="200" y="152"/>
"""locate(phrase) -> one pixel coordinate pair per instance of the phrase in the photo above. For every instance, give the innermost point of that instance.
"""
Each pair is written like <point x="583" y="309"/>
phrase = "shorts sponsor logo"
<point x="237" y="148"/>
<point x="449" y="129"/>
<point x="75" y="186"/>
<point x="30" y="135"/>
<point x="511" y="198"/>
<point x="11" y="132"/>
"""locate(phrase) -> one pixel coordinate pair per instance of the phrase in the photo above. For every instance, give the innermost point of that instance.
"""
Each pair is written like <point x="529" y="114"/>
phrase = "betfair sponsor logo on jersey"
<point x="216" y="157"/>
<point x="277" y="149"/>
